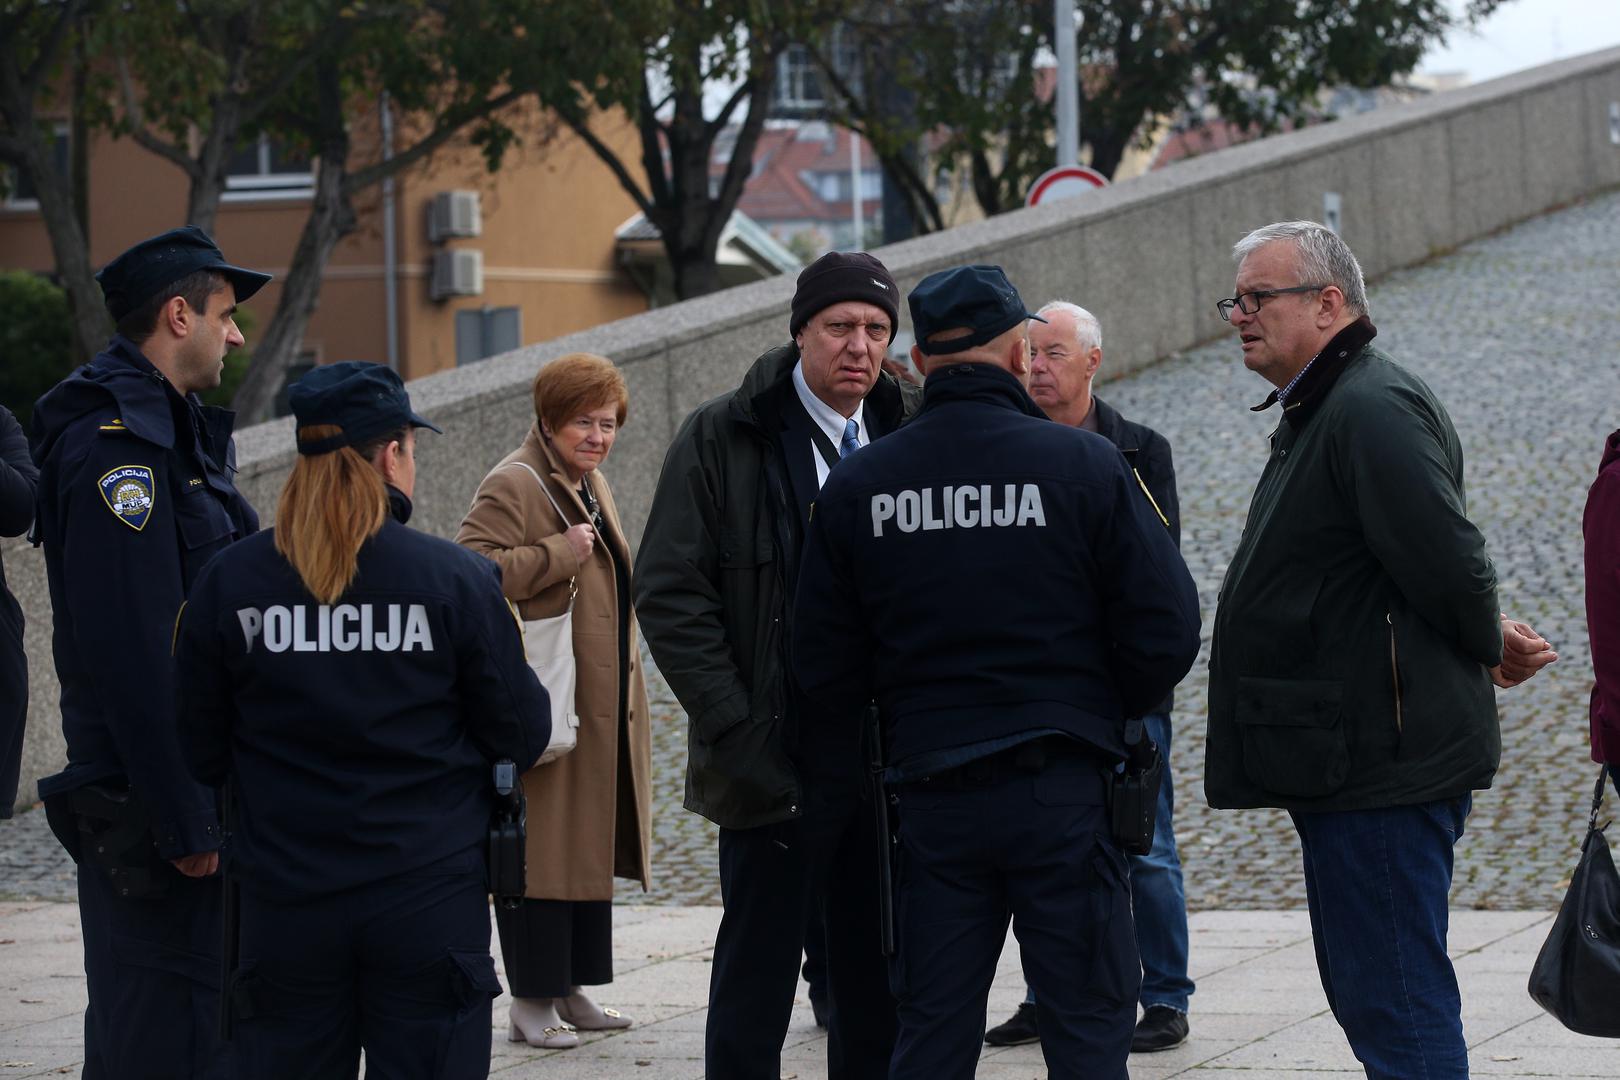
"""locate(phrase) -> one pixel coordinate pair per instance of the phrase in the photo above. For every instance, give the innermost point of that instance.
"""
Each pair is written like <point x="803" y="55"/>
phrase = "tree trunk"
<point x="1107" y="150"/>
<point x="92" y="325"/>
<point x="331" y="218"/>
<point x="79" y="139"/>
<point x="985" y="188"/>
<point x="696" y="274"/>
<point x="27" y="148"/>
<point x="208" y="181"/>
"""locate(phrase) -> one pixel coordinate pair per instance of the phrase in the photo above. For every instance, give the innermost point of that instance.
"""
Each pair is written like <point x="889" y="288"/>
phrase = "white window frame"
<point x="264" y="184"/>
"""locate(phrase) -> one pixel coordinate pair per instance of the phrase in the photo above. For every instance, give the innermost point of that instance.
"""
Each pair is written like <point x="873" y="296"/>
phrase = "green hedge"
<point x="36" y="344"/>
<point x="36" y="340"/>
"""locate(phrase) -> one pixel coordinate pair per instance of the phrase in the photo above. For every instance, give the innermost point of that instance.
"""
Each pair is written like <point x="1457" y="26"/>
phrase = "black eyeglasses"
<point x="1249" y="302"/>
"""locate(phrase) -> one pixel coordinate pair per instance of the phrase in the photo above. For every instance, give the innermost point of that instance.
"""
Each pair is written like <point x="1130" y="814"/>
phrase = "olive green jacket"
<point x="1358" y="618"/>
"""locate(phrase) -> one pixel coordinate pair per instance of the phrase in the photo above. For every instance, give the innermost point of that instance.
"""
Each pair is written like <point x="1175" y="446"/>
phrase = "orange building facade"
<point x="542" y="239"/>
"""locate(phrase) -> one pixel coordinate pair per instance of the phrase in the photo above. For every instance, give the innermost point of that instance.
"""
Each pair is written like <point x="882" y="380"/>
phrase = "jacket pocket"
<point x="472" y="981"/>
<point x="1293" y="735"/>
<point x="712" y="724"/>
<point x="203" y="521"/>
<point x="743" y="552"/>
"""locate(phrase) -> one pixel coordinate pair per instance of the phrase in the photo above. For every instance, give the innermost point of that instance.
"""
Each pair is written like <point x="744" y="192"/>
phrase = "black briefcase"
<point x="506" y="837"/>
<point x="1577" y="974"/>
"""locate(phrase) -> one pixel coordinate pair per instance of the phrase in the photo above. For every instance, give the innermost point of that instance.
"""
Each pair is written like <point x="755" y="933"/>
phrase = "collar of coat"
<point x="1322" y="372"/>
<point x="759" y="401"/>
<point x="1111" y="425"/>
<point x="978" y="382"/>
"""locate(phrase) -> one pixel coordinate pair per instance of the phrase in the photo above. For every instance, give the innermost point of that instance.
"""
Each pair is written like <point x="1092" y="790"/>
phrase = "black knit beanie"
<point x="839" y="276"/>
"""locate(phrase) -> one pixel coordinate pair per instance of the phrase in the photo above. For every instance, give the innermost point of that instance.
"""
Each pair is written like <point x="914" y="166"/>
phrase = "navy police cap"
<point x="365" y="400"/>
<point x="975" y="298"/>
<point x="138" y="274"/>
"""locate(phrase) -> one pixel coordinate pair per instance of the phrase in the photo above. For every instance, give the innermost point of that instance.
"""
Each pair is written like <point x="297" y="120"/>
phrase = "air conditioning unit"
<point x="454" y="213"/>
<point x="457" y="273"/>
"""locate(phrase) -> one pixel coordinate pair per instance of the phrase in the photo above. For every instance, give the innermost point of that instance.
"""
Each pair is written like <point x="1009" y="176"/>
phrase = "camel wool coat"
<point x="589" y="812"/>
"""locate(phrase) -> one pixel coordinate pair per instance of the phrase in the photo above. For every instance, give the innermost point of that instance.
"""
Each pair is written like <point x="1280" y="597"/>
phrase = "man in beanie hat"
<point x="135" y="495"/>
<point x="714" y="589"/>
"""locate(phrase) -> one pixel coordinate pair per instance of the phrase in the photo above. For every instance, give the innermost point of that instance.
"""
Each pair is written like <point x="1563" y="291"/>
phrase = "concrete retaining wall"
<point x="1150" y="257"/>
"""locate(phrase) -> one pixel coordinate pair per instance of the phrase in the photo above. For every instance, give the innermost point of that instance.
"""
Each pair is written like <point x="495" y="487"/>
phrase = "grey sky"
<point x="1527" y="33"/>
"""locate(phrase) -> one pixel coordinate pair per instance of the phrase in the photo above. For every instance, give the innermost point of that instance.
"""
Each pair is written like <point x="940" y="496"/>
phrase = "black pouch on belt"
<point x="1133" y="796"/>
<point x="506" y="837"/>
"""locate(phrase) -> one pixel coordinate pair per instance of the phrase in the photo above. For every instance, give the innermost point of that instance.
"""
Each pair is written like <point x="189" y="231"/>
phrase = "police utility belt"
<point x="1133" y="788"/>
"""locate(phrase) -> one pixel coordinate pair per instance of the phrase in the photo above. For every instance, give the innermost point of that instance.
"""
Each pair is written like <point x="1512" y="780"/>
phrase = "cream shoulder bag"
<point x="549" y="644"/>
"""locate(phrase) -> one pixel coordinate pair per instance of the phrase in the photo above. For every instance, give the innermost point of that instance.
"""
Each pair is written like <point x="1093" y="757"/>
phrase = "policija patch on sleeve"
<point x="129" y="491"/>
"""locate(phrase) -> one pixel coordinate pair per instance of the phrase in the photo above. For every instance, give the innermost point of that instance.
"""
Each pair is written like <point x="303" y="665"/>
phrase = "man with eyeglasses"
<point x="1356" y="640"/>
<point x="715" y="580"/>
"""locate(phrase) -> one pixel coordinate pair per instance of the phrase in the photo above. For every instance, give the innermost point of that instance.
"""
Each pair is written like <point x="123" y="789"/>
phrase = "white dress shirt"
<point x="828" y="420"/>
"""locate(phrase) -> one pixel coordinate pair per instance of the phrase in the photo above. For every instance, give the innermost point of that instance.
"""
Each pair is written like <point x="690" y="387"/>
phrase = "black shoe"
<point x="1161" y="1028"/>
<point x="1017" y="1031"/>
<point x="818" y="1008"/>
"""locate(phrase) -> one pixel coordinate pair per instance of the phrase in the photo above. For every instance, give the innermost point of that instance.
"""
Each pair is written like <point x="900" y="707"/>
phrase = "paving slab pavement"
<point x="1258" y="1012"/>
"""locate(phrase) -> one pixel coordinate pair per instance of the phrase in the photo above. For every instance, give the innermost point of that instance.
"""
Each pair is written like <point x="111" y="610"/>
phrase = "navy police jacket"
<point x="984" y="573"/>
<point x="135" y="495"/>
<point x="359" y="735"/>
<point x="17" y="480"/>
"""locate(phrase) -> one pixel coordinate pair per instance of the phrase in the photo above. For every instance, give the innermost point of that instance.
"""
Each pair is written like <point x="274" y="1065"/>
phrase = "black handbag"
<point x="1577" y="974"/>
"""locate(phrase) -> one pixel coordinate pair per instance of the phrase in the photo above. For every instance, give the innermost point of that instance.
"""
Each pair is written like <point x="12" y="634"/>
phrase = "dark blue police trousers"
<point x="152" y="968"/>
<point x="400" y="967"/>
<point x="770" y="877"/>
<point x="1035" y="848"/>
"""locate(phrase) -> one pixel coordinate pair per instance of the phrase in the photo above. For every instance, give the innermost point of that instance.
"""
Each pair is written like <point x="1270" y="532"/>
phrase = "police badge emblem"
<point x="129" y="491"/>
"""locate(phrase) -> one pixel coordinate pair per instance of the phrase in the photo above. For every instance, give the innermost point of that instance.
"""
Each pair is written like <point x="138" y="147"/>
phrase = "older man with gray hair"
<point x="1356" y="640"/>
<point x="1065" y="353"/>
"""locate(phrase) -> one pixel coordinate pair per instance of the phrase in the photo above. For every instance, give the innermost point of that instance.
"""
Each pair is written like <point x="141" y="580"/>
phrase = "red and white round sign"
<point x="1063" y="182"/>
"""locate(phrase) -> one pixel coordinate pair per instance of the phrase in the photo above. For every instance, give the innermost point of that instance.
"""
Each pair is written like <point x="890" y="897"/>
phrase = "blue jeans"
<point x="1158" y="899"/>
<point x="1377" y="882"/>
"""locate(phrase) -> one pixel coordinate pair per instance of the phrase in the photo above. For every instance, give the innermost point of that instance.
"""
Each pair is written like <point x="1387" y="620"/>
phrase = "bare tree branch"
<point x="448" y="127"/>
<point x="35" y="76"/>
<point x="143" y="135"/>
<point x="581" y="127"/>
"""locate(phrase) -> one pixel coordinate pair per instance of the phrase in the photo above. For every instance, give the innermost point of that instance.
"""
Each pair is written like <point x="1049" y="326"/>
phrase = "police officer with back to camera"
<point x="135" y="495"/>
<point x="1000" y="587"/>
<point x="354" y="680"/>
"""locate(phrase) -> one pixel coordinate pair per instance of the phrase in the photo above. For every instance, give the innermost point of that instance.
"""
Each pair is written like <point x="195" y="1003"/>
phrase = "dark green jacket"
<point x="1358" y="617"/>
<point x="713" y="585"/>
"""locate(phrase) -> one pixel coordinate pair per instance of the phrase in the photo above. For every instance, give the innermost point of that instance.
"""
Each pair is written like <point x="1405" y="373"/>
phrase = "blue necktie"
<point x="849" y="444"/>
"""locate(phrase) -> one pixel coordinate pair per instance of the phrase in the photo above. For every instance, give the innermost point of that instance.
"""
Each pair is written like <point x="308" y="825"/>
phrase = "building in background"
<point x="482" y="262"/>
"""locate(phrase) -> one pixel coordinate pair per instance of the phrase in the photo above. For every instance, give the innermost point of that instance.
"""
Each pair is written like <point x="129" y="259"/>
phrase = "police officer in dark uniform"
<point x="354" y="680"/>
<point x="999" y="586"/>
<point x="135" y="495"/>
<point x="18" y="476"/>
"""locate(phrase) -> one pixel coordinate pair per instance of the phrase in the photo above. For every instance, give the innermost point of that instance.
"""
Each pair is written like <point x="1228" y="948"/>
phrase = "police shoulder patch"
<point x="130" y="492"/>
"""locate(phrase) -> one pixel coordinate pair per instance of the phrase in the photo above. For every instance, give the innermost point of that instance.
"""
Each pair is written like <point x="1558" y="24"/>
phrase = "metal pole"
<point x="1068" y="84"/>
<point x="390" y="244"/>
<point x="855" y="189"/>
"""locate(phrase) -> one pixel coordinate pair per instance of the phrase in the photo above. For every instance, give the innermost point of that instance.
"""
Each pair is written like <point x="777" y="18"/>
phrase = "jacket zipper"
<point x="1394" y="669"/>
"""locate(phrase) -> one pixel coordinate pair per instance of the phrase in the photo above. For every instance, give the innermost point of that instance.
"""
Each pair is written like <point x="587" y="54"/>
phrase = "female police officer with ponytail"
<point x="353" y="680"/>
